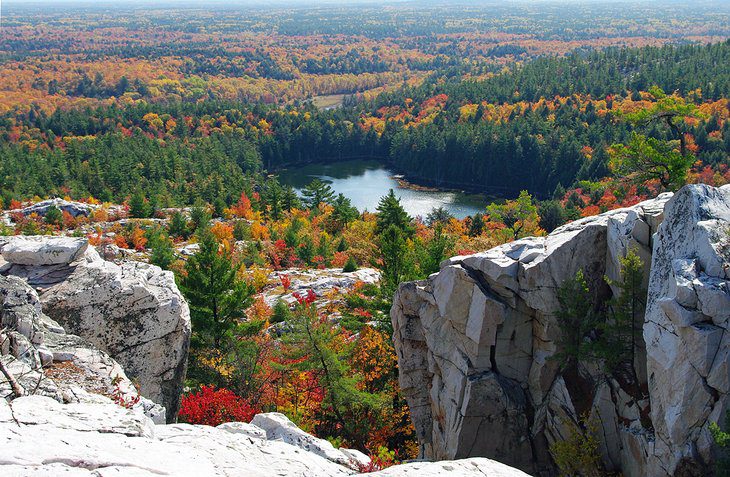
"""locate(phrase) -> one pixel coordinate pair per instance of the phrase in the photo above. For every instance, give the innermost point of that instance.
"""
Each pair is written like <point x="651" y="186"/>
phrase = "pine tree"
<point x="519" y="215"/>
<point x="315" y="345"/>
<point x="392" y="213"/>
<point x="138" y="205"/>
<point x="317" y="192"/>
<point x="343" y="212"/>
<point x="163" y="250"/>
<point x="576" y="318"/>
<point x="54" y="216"/>
<point x="178" y="226"/>
<point x="622" y="329"/>
<point x="394" y="255"/>
<point x="217" y="297"/>
<point x="199" y="215"/>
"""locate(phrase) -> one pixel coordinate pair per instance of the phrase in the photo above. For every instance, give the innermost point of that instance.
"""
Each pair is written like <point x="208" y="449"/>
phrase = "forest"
<point x="173" y="124"/>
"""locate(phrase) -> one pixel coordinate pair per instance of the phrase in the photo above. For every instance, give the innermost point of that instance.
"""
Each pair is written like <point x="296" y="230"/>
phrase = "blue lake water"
<point x="365" y="182"/>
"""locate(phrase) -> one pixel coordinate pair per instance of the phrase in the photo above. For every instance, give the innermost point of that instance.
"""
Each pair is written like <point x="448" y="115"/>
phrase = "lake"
<point x="364" y="182"/>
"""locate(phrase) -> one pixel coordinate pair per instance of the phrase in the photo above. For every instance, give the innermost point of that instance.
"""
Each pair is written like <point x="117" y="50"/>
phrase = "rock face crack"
<point x="497" y="308"/>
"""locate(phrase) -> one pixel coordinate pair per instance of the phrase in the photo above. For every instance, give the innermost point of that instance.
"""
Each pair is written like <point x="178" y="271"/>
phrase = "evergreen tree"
<point x="138" y="205"/>
<point x="163" y="250"/>
<point x="54" y="216"/>
<point x="289" y="199"/>
<point x="623" y="327"/>
<point x="476" y="225"/>
<point x="577" y="317"/>
<point x="350" y="265"/>
<point x="552" y="215"/>
<point x="315" y="345"/>
<point x="178" y="226"/>
<point x="343" y="212"/>
<point x="317" y="192"/>
<point x="394" y="256"/>
<point x="199" y="215"/>
<point x="392" y="213"/>
<point x="217" y="297"/>
<point x="438" y="215"/>
<point x="519" y="216"/>
<point x="437" y="249"/>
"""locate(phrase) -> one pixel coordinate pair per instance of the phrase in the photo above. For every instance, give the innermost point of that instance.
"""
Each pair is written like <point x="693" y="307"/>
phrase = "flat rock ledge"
<point x="41" y="437"/>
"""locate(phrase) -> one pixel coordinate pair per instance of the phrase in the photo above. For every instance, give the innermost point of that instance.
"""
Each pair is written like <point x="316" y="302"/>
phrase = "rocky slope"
<point x="475" y="343"/>
<point x="68" y="407"/>
<point x="133" y="311"/>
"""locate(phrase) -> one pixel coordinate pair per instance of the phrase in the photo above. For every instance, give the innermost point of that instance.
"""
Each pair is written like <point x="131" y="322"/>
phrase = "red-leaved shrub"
<point x="212" y="407"/>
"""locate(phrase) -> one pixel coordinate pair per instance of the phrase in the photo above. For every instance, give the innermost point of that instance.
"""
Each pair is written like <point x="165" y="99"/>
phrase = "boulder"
<point x="46" y="361"/>
<point x="42" y="251"/>
<point x="133" y="311"/>
<point x="75" y="209"/>
<point x="278" y="427"/>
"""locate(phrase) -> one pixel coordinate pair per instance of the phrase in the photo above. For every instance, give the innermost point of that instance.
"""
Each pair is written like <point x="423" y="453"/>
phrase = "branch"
<point x="14" y="385"/>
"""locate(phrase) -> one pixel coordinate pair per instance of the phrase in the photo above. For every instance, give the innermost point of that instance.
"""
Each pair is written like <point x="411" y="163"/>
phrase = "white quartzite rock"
<point x="475" y="344"/>
<point x="41" y="437"/>
<point x="685" y="329"/>
<point x="133" y="311"/>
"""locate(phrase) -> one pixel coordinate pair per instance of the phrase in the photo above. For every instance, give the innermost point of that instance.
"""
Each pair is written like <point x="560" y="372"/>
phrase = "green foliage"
<point x="394" y="255"/>
<point x="438" y="215"/>
<point x="305" y="250"/>
<point x="54" y="216"/>
<point x="241" y="230"/>
<point x="576" y="318"/>
<point x="552" y="215"/>
<point x="317" y="192"/>
<point x="163" y="250"/>
<point x="350" y="265"/>
<point x="341" y="245"/>
<point x="647" y="158"/>
<point x="178" y="225"/>
<point x="217" y="297"/>
<point x="199" y="215"/>
<point x="138" y="207"/>
<point x="519" y="215"/>
<point x="476" y="226"/>
<point x="650" y="158"/>
<point x="392" y="214"/>
<point x="722" y="440"/>
<point x="315" y="345"/>
<point x="623" y="326"/>
<point x="436" y="250"/>
<point x="579" y="454"/>
<point x="280" y="312"/>
<point x="343" y="212"/>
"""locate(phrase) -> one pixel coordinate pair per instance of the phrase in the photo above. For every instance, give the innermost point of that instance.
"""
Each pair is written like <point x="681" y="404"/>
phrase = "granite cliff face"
<point x="475" y="343"/>
<point x="132" y="311"/>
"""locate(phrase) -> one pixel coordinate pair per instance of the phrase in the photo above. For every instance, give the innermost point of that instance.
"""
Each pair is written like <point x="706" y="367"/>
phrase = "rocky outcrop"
<point x="686" y="326"/>
<point x="133" y="311"/>
<point x="476" y="342"/>
<point x="39" y="358"/>
<point x="75" y="209"/>
<point x="42" y="437"/>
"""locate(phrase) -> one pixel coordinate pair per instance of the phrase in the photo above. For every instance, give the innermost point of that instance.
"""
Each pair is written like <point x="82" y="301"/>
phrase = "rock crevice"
<point x="491" y="315"/>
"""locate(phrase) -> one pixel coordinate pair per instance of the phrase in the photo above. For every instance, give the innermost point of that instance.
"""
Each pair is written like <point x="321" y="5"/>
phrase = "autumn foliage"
<point x="211" y="407"/>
